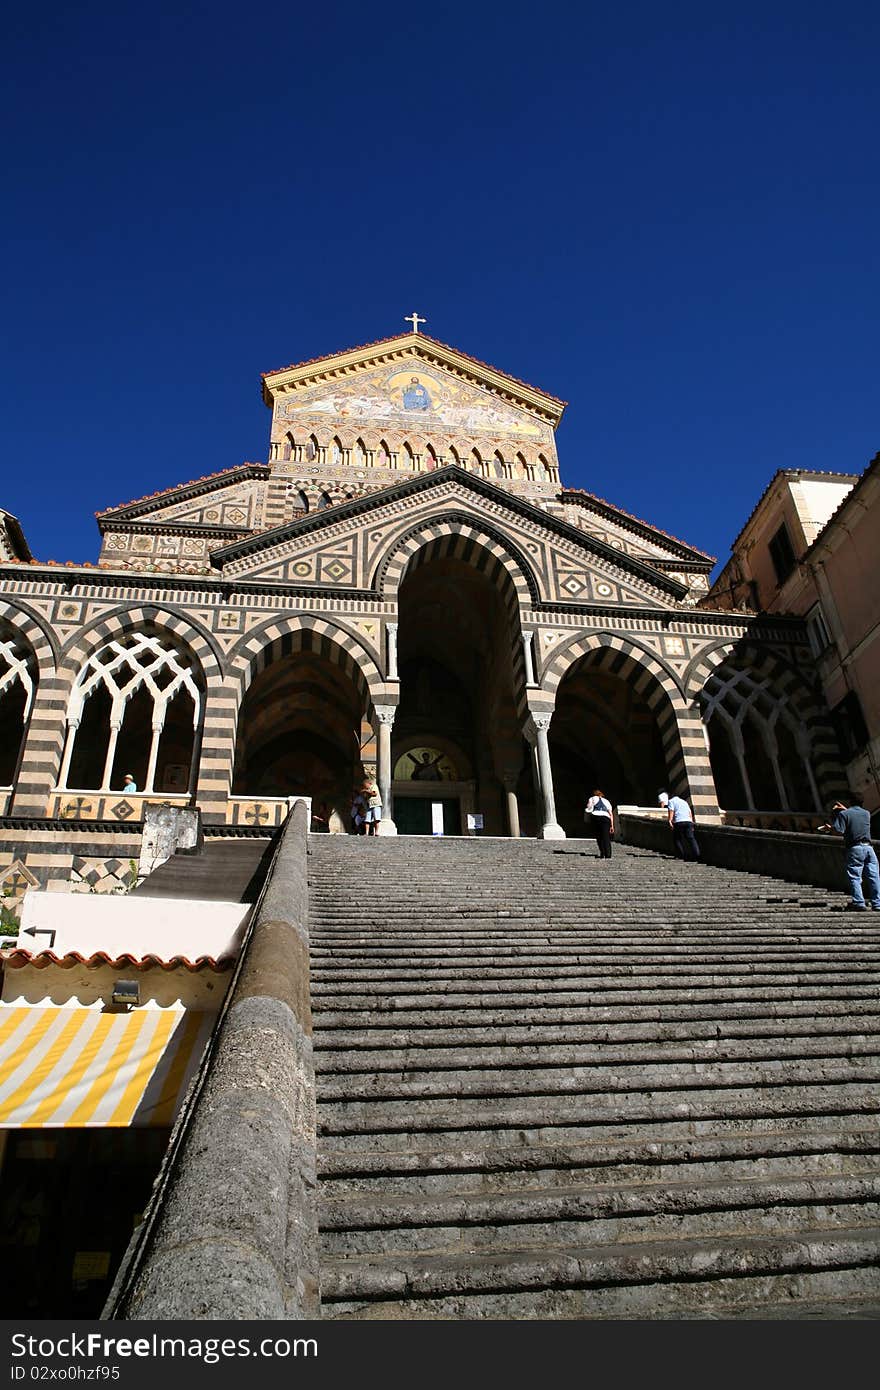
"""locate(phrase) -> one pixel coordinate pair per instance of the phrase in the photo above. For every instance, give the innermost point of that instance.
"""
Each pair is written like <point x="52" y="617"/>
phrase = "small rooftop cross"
<point x="415" y="320"/>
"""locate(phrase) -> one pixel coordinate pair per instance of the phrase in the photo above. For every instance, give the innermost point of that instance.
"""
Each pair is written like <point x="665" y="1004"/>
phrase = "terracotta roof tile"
<point x="396" y="338"/>
<point x="649" y="525"/>
<point x="175" y="487"/>
<point x="19" y="957"/>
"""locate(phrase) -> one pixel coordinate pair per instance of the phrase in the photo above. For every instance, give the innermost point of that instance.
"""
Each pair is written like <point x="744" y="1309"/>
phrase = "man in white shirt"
<point x="681" y="822"/>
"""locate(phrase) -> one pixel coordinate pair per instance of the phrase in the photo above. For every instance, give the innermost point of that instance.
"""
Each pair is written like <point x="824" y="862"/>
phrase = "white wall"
<point x="137" y="926"/>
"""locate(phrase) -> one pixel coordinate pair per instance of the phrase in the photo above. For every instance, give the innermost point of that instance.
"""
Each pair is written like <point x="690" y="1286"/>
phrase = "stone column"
<point x="527" y="640"/>
<point x="385" y="722"/>
<point x="688" y="765"/>
<point x="391" y="629"/>
<point x="115" y="727"/>
<point x="536" y="733"/>
<point x="509" y="778"/>
<point x="68" y="753"/>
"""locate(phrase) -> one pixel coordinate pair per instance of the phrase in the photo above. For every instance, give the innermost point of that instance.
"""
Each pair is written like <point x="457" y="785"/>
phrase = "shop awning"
<point x="76" y="1068"/>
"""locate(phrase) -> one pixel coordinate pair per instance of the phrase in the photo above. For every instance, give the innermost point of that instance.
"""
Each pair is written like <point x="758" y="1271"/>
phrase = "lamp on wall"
<point x="126" y="993"/>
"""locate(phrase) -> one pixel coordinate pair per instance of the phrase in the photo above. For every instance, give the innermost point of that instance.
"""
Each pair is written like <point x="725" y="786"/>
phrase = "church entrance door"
<point x="415" y="815"/>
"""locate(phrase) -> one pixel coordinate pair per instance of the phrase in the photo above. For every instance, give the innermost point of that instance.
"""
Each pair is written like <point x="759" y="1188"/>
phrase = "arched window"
<point x="289" y="449"/>
<point x="337" y="453"/>
<point x="17" y="685"/>
<point x="499" y="467"/>
<point x="430" y="457"/>
<point x="135" y="707"/>
<point x="519" y="467"/>
<point x="361" y="455"/>
<point x="384" y="459"/>
<point x="477" y="462"/>
<point x="546" y="469"/>
<point x="312" y="448"/>
<point x="325" y="500"/>
<point x="454" y="455"/>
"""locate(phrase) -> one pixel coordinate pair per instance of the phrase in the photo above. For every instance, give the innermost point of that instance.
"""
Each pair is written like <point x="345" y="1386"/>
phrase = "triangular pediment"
<point x="220" y="499"/>
<point x="375" y="406"/>
<point x="420" y="351"/>
<point x="345" y="547"/>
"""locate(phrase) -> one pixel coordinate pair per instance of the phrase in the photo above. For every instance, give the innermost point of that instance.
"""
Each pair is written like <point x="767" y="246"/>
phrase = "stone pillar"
<point x="688" y="766"/>
<point x="385" y="722"/>
<point x="527" y="640"/>
<point x="111" y="754"/>
<point x="391" y="629"/>
<point x="536" y="733"/>
<point x="70" y="739"/>
<point x="509" y="779"/>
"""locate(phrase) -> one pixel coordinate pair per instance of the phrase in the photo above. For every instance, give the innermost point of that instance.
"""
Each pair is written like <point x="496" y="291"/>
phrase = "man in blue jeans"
<point x="854" y="824"/>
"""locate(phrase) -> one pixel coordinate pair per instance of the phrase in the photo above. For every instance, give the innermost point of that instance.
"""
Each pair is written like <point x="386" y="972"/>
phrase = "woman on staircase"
<point x="600" y="818"/>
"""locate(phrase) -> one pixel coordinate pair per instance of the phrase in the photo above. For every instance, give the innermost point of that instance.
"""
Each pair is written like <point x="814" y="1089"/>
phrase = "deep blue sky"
<point x="664" y="213"/>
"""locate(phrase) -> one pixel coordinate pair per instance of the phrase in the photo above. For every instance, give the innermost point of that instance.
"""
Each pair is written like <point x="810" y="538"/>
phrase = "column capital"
<point x="385" y="714"/>
<point x="537" y="723"/>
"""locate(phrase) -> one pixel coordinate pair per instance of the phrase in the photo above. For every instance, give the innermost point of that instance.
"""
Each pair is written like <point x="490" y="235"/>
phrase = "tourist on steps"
<point x="600" y="818"/>
<point x="681" y="823"/>
<point x="374" y="808"/>
<point x="358" y="810"/>
<point x="854" y="824"/>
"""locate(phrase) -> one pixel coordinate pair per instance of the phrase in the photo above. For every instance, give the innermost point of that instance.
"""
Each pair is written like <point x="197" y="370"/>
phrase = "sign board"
<point x="475" y="821"/>
<point x="436" y="817"/>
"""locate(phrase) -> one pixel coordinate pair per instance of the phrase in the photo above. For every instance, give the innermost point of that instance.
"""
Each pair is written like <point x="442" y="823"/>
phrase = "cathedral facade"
<point x="404" y="589"/>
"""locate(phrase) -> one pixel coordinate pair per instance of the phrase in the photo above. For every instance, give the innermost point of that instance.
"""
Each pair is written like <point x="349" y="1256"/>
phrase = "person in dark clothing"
<point x="600" y="817"/>
<point x="854" y="823"/>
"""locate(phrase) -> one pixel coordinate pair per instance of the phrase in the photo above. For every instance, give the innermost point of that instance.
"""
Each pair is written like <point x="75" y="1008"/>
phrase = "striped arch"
<point x="788" y="687"/>
<point x="39" y="638"/>
<point x="27" y="665"/>
<point x="678" y="720"/>
<point x="457" y="535"/>
<point x="280" y="636"/>
<point x="305" y="632"/>
<point x="123" y="620"/>
<point x="461" y="536"/>
<point x="623" y="658"/>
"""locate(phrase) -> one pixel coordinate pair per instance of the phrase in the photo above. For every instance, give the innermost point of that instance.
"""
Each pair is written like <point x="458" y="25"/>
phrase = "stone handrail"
<point x="795" y="856"/>
<point x="231" y="1231"/>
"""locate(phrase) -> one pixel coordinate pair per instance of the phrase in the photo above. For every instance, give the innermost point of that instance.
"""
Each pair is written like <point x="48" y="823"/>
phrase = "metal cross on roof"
<point x="415" y="320"/>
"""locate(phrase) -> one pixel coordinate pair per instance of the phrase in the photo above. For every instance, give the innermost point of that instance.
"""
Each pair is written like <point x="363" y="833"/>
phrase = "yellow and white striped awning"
<point x="78" y="1068"/>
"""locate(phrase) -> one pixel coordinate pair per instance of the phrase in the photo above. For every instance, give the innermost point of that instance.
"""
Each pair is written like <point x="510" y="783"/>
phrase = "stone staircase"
<point x="553" y="1086"/>
<point x="226" y="870"/>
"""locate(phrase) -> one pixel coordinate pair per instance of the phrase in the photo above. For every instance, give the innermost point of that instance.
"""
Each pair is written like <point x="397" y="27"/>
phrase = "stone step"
<point x="549" y="1085"/>
<point x="847" y="1092"/>
<point x="456" y="1064"/>
<point x="838" y="1293"/>
<point x="602" y="1005"/>
<point x="701" y="1127"/>
<point x="838" y="1021"/>
<point x="394" y="1275"/>
<point x="848" y="1147"/>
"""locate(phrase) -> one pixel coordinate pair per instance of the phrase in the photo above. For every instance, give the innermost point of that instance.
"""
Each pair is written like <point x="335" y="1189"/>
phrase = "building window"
<point x="782" y="554"/>
<point x="817" y="631"/>
<point x="849" y="721"/>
